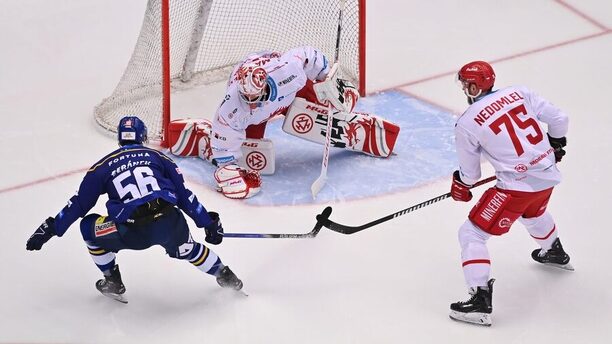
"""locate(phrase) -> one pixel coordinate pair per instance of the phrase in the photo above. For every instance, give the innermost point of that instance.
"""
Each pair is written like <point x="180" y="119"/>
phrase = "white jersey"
<point x="287" y="74"/>
<point x="506" y="127"/>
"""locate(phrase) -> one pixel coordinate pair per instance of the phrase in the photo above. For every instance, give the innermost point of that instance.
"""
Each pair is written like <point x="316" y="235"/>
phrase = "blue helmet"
<point x="130" y="130"/>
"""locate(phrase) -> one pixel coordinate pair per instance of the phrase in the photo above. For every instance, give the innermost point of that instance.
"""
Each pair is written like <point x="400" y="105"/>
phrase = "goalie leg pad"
<point x="205" y="149"/>
<point x="360" y="132"/>
<point x="371" y="134"/>
<point x="237" y="183"/>
<point x="185" y="136"/>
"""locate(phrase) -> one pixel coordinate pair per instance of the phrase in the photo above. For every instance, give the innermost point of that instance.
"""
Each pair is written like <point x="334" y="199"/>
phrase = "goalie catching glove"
<point x="342" y="94"/>
<point x="235" y="182"/>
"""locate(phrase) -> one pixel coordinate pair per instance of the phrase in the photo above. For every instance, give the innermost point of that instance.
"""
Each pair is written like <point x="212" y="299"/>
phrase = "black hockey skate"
<point x="556" y="256"/>
<point x="112" y="286"/>
<point x="227" y="279"/>
<point x="477" y="310"/>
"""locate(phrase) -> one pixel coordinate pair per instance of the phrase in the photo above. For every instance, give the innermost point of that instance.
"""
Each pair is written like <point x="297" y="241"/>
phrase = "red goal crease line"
<point x="582" y="15"/>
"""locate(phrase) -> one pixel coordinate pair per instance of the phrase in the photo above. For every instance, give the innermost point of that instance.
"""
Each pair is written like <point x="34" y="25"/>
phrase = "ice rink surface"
<point x="392" y="283"/>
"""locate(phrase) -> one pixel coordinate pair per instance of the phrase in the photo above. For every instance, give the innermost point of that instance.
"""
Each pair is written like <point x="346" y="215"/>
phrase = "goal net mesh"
<point x="208" y="37"/>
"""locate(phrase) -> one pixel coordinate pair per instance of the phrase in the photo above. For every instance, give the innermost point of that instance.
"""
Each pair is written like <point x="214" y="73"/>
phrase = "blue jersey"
<point x="131" y="176"/>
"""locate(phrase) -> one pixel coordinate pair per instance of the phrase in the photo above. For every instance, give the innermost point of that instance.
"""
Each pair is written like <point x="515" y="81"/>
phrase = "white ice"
<point x="389" y="284"/>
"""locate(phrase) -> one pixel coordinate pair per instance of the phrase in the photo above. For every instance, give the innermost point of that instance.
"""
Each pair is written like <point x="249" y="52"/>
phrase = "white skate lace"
<point x="542" y="253"/>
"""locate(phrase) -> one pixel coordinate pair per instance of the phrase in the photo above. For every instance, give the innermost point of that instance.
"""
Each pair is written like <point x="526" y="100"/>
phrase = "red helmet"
<point x="478" y="73"/>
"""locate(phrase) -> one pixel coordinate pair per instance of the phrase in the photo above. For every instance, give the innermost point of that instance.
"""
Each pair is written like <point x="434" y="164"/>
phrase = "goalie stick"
<point x="318" y="184"/>
<point x="340" y="228"/>
<point x="313" y="233"/>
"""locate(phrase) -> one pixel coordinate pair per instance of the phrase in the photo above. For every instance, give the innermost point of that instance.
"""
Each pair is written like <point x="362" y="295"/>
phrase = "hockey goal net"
<point x="187" y="43"/>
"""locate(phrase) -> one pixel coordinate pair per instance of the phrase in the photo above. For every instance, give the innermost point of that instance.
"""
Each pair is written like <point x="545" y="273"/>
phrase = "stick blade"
<point x="317" y="185"/>
<point x="324" y="214"/>
<point x="321" y="219"/>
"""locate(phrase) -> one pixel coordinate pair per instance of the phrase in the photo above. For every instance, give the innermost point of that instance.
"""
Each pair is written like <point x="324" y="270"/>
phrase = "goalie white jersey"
<point x="286" y="75"/>
<point x="506" y="127"/>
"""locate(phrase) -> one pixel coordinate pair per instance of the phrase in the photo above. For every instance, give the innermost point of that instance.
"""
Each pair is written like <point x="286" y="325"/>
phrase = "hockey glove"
<point x="557" y="144"/>
<point x="43" y="233"/>
<point x="460" y="191"/>
<point x="214" y="231"/>
<point x="237" y="183"/>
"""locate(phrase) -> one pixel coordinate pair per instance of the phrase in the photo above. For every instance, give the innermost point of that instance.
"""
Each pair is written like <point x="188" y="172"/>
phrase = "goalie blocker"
<point x="360" y="132"/>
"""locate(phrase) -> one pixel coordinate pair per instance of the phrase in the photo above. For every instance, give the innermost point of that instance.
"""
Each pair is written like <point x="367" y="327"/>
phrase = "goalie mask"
<point x="131" y="130"/>
<point x="251" y="80"/>
<point x="478" y="73"/>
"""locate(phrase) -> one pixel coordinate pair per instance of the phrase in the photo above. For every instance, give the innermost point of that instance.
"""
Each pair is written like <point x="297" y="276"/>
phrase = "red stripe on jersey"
<point x="477" y="261"/>
<point x="547" y="235"/>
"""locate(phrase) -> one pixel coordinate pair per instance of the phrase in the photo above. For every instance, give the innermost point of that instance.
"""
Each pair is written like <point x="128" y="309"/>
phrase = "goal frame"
<point x="176" y="66"/>
<point x="166" y="79"/>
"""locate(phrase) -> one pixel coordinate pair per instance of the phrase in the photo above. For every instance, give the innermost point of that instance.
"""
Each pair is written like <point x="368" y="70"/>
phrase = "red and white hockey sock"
<point x="475" y="257"/>
<point x="542" y="229"/>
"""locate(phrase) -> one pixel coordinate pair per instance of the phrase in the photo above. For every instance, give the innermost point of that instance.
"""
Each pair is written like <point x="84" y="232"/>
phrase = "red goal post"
<point x="188" y="43"/>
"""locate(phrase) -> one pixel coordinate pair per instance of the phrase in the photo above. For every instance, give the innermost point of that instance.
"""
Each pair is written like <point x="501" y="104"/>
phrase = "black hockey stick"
<point x="313" y="233"/>
<point x="340" y="228"/>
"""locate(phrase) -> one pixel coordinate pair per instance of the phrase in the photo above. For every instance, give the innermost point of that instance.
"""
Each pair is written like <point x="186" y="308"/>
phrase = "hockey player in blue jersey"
<point x="146" y="194"/>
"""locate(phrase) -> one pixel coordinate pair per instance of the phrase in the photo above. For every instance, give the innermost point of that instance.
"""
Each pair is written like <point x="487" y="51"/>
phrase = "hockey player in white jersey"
<point x="506" y="127"/>
<point x="269" y="84"/>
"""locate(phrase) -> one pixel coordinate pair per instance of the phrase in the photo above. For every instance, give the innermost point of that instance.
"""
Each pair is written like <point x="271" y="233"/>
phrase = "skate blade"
<point x="567" y="266"/>
<point x="117" y="297"/>
<point x="482" y="319"/>
<point x="239" y="291"/>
